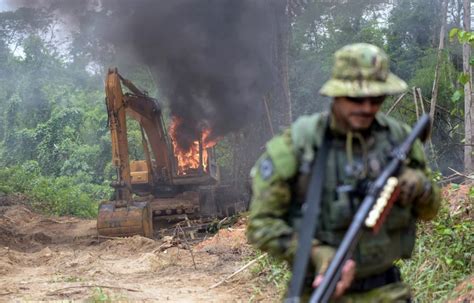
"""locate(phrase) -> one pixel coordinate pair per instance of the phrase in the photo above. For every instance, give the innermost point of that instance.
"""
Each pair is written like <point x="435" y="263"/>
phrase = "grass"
<point x="67" y="279"/>
<point x="100" y="295"/>
<point x="272" y="273"/>
<point x="443" y="256"/>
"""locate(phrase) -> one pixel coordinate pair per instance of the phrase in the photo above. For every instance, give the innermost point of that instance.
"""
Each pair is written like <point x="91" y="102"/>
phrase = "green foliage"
<point x="51" y="110"/>
<point x="100" y="295"/>
<point x="67" y="195"/>
<point x="461" y="36"/>
<point x="134" y="136"/>
<point x="411" y="32"/>
<point x="54" y="139"/>
<point x="318" y="33"/>
<point x="224" y="153"/>
<point x="443" y="255"/>
<point x="457" y="96"/>
<point x="463" y="78"/>
<point x="272" y="271"/>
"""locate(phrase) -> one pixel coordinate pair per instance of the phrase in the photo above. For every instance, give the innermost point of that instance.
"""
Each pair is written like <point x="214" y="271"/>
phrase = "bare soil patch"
<point x="61" y="258"/>
<point x="460" y="202"/>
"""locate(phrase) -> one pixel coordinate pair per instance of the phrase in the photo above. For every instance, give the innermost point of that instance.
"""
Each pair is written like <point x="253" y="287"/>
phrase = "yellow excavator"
<point x="157" y="186"/>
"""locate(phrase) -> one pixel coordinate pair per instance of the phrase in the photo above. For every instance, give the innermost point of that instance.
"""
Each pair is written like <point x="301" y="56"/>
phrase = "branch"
<point x="461" y="174"/>
<point x="269" y="117"/>
<point x="238" y="271"/>
<point x="420" y="96"/>
<point x="108" y="237"/>
<point x="187" y="244"/>
<point x="438" y="107"/>
<point x="415" y="99"/>
<point x="53" y="292"/>
<point x="396" y="103"/>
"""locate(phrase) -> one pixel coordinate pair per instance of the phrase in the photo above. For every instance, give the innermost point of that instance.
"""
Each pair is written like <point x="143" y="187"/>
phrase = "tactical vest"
<point x="343" y="189"/>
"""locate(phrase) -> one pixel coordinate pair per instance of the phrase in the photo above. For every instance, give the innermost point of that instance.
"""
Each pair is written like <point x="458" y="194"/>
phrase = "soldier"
<point x="361" y="140"/>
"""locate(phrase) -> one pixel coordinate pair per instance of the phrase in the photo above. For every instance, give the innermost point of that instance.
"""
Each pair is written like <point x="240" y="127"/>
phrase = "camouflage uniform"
<point x="281" y="177"/>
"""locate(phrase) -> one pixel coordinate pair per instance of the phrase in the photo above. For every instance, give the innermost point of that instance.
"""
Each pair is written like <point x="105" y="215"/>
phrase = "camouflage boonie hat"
<point x="362" y="70"/>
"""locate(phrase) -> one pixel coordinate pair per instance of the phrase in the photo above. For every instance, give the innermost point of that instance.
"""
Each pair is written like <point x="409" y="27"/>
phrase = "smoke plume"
<point x="212" y="57"/>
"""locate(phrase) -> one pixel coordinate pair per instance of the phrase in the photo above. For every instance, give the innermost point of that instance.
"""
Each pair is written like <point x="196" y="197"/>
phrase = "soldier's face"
<point x="356" y="113"/>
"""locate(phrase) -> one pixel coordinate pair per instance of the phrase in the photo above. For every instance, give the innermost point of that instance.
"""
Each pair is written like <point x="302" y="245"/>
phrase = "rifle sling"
<point x="311" y="211"/>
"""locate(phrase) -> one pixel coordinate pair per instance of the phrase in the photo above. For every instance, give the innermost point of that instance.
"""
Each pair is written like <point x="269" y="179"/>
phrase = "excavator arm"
<point x="148" y="115"/>
<point x="117" y="121"/>
<point x="122" y="216"/>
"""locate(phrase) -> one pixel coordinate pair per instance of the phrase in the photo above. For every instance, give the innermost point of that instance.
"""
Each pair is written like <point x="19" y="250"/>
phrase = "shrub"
<point x="66" y="195"/>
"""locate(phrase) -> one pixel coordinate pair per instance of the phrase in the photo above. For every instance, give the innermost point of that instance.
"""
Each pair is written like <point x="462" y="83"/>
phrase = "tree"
<point x="442" y="32"/>
<point x="468" y="104"/>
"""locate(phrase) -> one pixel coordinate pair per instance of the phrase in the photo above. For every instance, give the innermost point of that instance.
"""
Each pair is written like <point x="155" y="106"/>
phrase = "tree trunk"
<point x="442" y="33"/>
<point x="279" y="96"/>
<point x="249" y="144"/>
<point x="468" y="106"/>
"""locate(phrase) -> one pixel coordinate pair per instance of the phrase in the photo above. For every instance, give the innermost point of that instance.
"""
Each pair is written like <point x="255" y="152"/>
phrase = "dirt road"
<point x="45" y="258"/>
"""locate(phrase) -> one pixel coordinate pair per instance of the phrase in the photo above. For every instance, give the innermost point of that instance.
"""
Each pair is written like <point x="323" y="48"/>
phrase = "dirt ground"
<point x="61" y="258"/>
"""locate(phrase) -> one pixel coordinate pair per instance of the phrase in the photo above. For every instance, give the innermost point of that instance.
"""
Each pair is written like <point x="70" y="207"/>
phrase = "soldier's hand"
<point x="348" y="273"/>
<point x="321" y="256"/>
<point x="412" y="185"/>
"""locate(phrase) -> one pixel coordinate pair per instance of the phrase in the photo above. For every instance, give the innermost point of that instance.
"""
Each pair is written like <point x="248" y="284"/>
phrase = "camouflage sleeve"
<point x="268" y="228"/>
<point x="426" y="207"/>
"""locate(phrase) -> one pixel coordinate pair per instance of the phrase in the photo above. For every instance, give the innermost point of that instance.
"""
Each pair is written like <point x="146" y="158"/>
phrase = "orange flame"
<point x="189" y="160"/>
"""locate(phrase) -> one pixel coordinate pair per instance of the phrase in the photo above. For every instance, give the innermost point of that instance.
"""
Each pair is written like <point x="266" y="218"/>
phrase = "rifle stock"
<point x="324" y="291"/>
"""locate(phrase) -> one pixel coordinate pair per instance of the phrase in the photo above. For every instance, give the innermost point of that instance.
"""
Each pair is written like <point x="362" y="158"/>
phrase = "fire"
<point x="189" y="160"/>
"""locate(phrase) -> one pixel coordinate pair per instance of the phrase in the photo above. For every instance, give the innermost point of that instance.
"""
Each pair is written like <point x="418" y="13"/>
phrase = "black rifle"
<point x="326" y="288"/>
<point x="311" y="209"/>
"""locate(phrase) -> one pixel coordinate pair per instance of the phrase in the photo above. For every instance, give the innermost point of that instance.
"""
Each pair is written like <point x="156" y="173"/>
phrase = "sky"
<point x="3" y="5"/>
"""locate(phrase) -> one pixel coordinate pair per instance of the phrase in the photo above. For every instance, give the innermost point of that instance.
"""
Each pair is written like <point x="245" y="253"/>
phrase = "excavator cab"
<point x="139" y="172"/>
<point x="157" y="186"/>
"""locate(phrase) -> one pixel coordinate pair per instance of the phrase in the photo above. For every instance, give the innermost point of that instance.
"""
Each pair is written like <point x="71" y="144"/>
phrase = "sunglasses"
<point x="373" y="100"/>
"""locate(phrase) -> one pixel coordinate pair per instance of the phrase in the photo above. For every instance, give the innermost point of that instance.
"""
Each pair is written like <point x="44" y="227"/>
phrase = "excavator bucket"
<point x="122" y="219"/>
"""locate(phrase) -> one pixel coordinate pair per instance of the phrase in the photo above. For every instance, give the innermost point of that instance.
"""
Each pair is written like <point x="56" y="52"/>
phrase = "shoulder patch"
<point x="284" y="159"/>
<point x="266" y="168"/>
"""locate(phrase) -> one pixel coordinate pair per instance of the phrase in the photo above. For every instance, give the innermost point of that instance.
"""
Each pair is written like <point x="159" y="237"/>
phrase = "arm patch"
<point x="283" y="156"/>
<point x="266" y="168"/>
